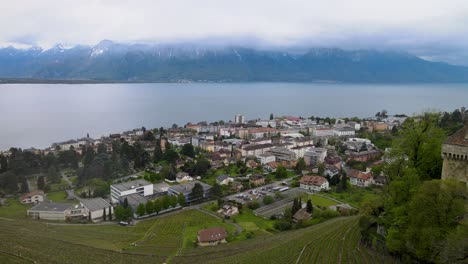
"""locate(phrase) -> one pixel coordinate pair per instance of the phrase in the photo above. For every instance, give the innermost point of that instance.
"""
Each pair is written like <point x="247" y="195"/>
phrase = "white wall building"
<point x="239" y="119"/>
<point x="314" y="183"/>
<point x="140" y="186"/>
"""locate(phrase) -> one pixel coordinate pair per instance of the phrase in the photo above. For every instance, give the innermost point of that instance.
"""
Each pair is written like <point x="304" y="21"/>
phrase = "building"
<point x="56" y="211"/>
<point x="224" y="179"/>
<point x="266" y="158"/>
<point x="212" y="236"/>
<point x="361" y="179"/>
<point x="283" y="154"/>
<point x="301" y="215"/>
<point x="228" y="210"/>
<point x="186" y="189"/>
<point x="32" y="197"/>
<point x="313" y="183"/>
<point x="257" y="180"/>
<point x="344" y="132"/>
<point x="239" y="119"/>
<point x="322" y="132"/>
<point x="96" y="207"/>
<point x="255" y="149"/>
<point x="455" y="156"/>
<point x="183" y="177"/>
<point x="314" y="156"/>
<point x="140" y="186"/>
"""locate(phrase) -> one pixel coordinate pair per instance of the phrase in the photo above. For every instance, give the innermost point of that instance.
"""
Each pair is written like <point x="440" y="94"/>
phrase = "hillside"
<point x="167" y="239"/>
<point x="109" y="61"/>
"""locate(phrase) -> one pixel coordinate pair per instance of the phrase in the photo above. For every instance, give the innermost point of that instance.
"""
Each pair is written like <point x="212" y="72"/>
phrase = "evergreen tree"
<point x="104" y="214"/>
<point x="3" y="164"/>
<point x="197" y="192"/>
<point x="149" y="207"/>
<point x="157" y="205"/>
<point x="125" y="203"/>
<point x="41" y="183"/>
<point x="310" y="207"/>
<point x="24" y="185"/>
<point x="271" y="116"/>
<point x="157" y="154"/>
<point x="344" y="182"/>
<point x="300" y="166"/>
<point x="181" y="199"/>
<point x="217" y="191"/>
<point x="188" y="150"/>
<point x="110" y="213"/>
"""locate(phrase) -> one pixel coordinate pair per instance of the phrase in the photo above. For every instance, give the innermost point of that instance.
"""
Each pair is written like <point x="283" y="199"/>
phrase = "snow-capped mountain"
<point x="109" y="61"/>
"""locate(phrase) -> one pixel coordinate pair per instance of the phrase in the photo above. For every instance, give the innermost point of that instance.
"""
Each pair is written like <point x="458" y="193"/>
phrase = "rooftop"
<point x="95" y="204"/>
<point x="212" y="234"/>
<point x="125" y="186"/>
<point x="53" y="207"/>
<point x="188" y="186"/>
<point x="313" y="180"/>
<point x="460" y="137"/>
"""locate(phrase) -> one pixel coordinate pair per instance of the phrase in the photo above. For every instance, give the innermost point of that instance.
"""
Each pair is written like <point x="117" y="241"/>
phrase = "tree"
<point x="41" y="183"/>
<point x="201" y="167"/>
<point x="309" y="207"/>
<point x="344" y="182"/>
<point x="188" y="150"/>
<point x="53" y="174"/>
<point x="181" y="199"/>
<point x="296" y="206"/>
<point x="216" y="191"/>
<point x="125" y="203"/>
<point x="281" y="172"/>
<point x="24" y="185"/>
<point x="110" y="213"/>
<point x="171" y="155"/>
<point x="102" y="148"/>
<point x="123" y="214"/>
<point x="157" y="204"/>
<point x="268" y="200"/>
<point x="321" y="169"/>
<point x="141" y="209"/>
<point x="104" y="216"/>
<point x="271" y="116"/>
<point x="166" y="202"/>
<point x="3" y="164"/>
<point x="157" y="154"/>
<point x="197" y="192"/>
<point x="149" y="207"/>
<point x="300" y="166"/>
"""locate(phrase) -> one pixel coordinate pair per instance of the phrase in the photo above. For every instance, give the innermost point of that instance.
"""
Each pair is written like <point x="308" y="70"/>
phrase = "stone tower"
<point x="455" y="155"/>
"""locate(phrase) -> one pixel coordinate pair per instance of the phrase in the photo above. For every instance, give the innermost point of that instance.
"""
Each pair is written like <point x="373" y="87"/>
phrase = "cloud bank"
<point x="432" y="29"/>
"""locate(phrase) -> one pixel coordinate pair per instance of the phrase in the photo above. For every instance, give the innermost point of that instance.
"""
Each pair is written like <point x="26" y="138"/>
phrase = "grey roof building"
<point x="56" y="211"/>
<point x="186" y="189"/>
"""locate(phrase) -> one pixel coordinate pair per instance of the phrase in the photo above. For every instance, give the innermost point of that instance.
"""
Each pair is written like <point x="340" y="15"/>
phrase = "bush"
<point x="253" y="205"/>
<point x="268" y="200"/>
<point x="283" y="225"/>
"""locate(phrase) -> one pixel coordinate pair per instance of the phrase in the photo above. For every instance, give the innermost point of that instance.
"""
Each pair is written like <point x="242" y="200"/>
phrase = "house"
<point x="380" y="180"/>
<point x="313" y="183"/>
<point x="228" y="211"/>
<point x="211" y="236"/>
<point x="322" y="132"/>
<point x="183" y="177"/>
<point x="251" y="164"/>
<point x="344" y="132"/>
<point x="331" y="171"/>
<point x="56" y="211"/>
<point x="96" y="207"/>
<point x="236" y="186"/>
<point x="224" y="179"/>
<point x="365" y="156"/>
<point x="186" y="190"/>
<point x="257" y="180"/>
<point x="140" y="186"/>
<point x="255" y="149"/>
<point x="301" y="215"/>
<point x="359" y="178"/>
<point x="32" y="197"/>
<point x="271" y="166"/>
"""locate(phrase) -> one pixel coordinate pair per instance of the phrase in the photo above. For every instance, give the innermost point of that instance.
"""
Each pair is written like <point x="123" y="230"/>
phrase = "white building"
<point x="239" y="119"/>
<point x="32" y="197"/>
<point x="314" y="156"/>
<point x="344" y="131"/>
<point x="56" y="211"/>
<point x="314" y="183"/>
<point x="140" y="186"/>
<point x="266" y="158"/>
<point x="183" y="177"/>
<point x="322" y="132"/>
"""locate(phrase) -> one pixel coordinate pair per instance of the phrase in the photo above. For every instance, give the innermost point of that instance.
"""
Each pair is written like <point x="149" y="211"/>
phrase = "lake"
<point x="36" y="115"/>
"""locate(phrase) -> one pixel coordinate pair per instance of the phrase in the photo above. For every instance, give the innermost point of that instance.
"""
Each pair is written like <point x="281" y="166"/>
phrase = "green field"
<point x="318" y="200"/>
<point x="58" y="197"/>
<point x="355" y="196"/>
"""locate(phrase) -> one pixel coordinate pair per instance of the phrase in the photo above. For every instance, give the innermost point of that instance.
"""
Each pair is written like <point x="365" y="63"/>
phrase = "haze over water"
<point x="36" y="115"/>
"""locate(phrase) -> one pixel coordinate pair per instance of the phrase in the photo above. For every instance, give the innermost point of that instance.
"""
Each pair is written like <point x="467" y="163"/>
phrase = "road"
<point x="64" y="176"/>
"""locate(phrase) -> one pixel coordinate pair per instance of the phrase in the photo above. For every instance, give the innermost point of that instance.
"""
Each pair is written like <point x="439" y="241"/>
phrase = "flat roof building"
<point x="140" y="186"/>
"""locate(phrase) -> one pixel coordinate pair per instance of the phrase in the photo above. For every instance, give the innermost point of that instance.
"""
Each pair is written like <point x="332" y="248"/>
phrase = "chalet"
<point x="361" y="179"/>
<point x="32" y="197"/>
<point x="257" y="180"/>
<point x="301" y="215"/>
<point x="183" y="177"/>
<point x="313" y="183"/>
<point x="212" y="236"/>
<point x="228" y="211"/>
<point x="224" y="179"/>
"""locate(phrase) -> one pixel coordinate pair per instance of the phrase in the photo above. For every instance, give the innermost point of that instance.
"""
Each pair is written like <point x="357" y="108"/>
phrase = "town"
<point x="253" y="176"/>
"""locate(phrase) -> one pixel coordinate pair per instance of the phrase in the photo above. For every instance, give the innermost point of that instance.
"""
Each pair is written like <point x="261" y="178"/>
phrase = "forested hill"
<point x="110" y="61"/>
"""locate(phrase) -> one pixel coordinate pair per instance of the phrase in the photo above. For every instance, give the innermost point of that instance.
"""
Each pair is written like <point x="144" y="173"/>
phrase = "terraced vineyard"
<point x="334" y="241"/>
<point x="170" y="239"/>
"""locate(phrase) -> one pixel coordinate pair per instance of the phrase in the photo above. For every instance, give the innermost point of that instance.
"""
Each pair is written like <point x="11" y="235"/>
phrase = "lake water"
<point x="36" y="115"/>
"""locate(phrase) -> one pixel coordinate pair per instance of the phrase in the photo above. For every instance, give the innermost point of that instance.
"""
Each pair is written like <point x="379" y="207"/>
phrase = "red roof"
<point x="212" y="234"/>
<point x="30" y="194"/>
<point x="360" y="175"/>
<point x="313" y="180"/>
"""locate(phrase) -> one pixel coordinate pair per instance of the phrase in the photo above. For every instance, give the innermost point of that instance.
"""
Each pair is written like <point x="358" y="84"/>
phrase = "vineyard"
<point x="334" y="241"/>
<point x="170" y="239"/>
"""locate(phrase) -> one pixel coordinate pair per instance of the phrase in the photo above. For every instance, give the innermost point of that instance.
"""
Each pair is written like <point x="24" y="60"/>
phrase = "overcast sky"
<point x="432" y="29"/>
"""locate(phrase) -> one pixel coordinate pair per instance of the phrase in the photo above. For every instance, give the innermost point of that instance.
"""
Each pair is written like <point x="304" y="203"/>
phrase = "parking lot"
<point x="260" y="192"/>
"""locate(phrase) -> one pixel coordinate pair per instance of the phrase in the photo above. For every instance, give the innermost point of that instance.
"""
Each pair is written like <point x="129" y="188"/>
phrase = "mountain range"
<point x="117" y="62"/>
